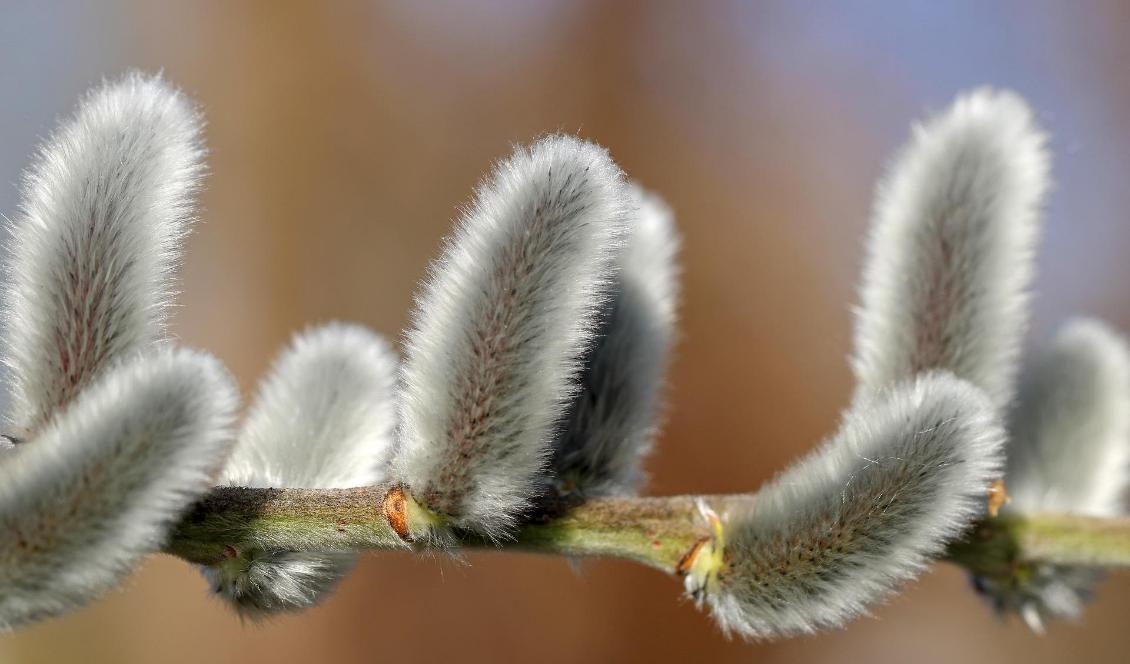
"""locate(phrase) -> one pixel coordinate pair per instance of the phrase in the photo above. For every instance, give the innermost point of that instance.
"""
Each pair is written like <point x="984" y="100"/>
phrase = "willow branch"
<point x="657" y="532"/>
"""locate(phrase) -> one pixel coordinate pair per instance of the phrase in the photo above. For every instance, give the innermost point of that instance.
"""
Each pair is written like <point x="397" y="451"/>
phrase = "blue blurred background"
<point x="343" y="137"/>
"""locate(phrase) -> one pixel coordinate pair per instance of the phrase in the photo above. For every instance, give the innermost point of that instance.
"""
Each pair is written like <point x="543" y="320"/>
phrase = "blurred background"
<point x="343" y="137"/>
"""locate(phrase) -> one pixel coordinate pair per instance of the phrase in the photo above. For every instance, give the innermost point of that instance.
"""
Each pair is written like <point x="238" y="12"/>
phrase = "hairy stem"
<point x="658" y="532"/>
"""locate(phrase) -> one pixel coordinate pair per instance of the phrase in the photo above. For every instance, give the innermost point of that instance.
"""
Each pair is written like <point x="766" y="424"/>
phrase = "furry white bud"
<point x="951" y="248"/>
<point x="1069" y="454"/>
<point x="1070" y="449"/>
<point x="614" y="416"/>
<point x="324" y="419"/>
<point x="908" y="471"/>
<point x="100" y="485"/>
<point x="325" y="416"/>
<point x="259" y="583"/>
<point x="501" y="328"/>
<point x="105" y="207"/>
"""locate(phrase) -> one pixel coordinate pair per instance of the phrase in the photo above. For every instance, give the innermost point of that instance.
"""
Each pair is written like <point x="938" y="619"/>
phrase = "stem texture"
<point x="658" y="532"/>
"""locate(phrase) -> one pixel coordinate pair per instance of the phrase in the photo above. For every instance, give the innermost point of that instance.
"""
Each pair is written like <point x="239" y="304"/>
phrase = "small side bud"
<point x="411" y="521"/>
<point x="706" y="560"/>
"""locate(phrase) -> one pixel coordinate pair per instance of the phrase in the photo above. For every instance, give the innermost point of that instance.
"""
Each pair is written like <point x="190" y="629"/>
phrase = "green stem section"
<point x="663" y="533"/>
<point x="995" y="547"/>
<point x="237" y="518"/>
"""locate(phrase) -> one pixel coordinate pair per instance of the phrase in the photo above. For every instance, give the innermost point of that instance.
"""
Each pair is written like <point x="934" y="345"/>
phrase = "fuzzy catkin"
<point x="500" y="330"/>
<point x="1068" y="453"/>
<point x="104" y="209"/>
<point x="614" y="416"/>
<point x="98" y="488"/>
<point x="951" y="250"/>
<point x="323" y="419"/>
<point x="1070" y="430"/>
<point x="908" y="471"/>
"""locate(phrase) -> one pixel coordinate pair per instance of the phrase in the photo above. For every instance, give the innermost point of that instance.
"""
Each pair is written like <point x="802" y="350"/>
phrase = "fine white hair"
<point x="104" y="210"/>
<point x="99" y="486"/>
<point x="951" y="248"/>
<point x="500" y="330"/>
<point x="613" y="418"/>
<point x="323" y="419"/>
<point x="325" y="416"/>
<point x="907" y="472"/>
<point x="1069" y="453"/>
<point x="1070" y="448"/>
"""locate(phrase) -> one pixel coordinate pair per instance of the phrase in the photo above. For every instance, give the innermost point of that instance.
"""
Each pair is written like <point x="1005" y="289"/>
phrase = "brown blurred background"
<point x="344" y="136"/>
